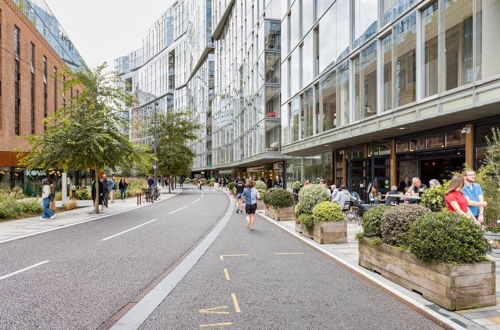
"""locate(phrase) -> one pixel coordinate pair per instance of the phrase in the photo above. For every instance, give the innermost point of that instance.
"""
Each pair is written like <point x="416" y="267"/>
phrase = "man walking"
<point x="107" y="187"/>
<point x="474" y="194"/>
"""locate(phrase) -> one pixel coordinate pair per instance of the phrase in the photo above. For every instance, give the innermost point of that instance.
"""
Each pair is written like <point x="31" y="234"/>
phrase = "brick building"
<point x="29" y="87"/>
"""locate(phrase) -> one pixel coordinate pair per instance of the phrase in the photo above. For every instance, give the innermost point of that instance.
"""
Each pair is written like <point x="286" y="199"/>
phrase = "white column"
<point x="64" y="185"/>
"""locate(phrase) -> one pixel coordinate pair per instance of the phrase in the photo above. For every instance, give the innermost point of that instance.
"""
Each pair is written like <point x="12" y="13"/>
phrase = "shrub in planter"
<point x="260" y="185"/>
<point x="311" y="195"/>
<point x="231" y="185"/>
<point x="446" y="237"/>
<point x="83" y="194"/>
<point x="307" y="220"/>
<point x="278" y="198"/>
<point x="267" y="194"/>
<point x="396" y="222"/>
<point x="433" y="198"/>
<point x="296" y="185"/>
<point x="372" y="220"/>
<point x="327" y="211"/>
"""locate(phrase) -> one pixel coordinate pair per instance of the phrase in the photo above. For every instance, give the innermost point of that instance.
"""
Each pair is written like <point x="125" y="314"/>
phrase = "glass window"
<point x="435" y="141"/>
<point x="307" y="113"/>
<point x="308" y="60"/>
<point x="323" y="6"/>
<point x="295" y="72"/>
<point x="365" y="82"/>
<point x="285" y="81"/>
<point x="343" y="28"/>
<point x="285" y="123"/>
<point x="458" y="42"/>
<point x="294" y="119"/>
<point x="328" y="106"/>
<point x="285" y="34"/>
<point x="402" y="146"/>
<point x="430" y="19"/>
<point x="487" y="45"/>
<point x="295" y="33"/>
<point x="388" y="85"/>
<point x="455" y="138"/>
<point x="405" y="61"/>
<point x="392" y="9"/>
<point x="273" y="35"/>
<point x="343" y="92"/>
<point x="272" y="102"/>
<point x="272" y="135"/>
<point x="328" y="50"/>
<point x="417" y="144"/>
<point x="307" y="15"/>
<point x="365" y="20"/>
<point x="272" y="67"/>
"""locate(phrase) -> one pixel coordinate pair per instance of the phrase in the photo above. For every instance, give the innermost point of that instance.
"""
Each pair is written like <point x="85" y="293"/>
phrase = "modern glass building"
<point x="373" y="91"/>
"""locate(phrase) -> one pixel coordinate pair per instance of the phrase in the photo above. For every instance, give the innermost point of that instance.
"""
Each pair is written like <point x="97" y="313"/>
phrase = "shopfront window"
<point x="454" y="138"/>
<point x="405" y="60"/>
<point x="328" y="113"/>
<point x="435" y="141"/>
<point x="365" y="20"/>
<point x="430" y="19"/>
<point x="365" y="83"/>
<point x="402" y="145"/>
<point x="307" y="113"/>
<point x="417" y="144"/>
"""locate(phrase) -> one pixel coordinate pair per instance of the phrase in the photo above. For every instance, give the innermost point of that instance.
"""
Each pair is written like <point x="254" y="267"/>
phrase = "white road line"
<point x="175" y="211"/>
<point x="126" y="231"/>
<point x="195" y="201"/>
<point x="23" y="270"/>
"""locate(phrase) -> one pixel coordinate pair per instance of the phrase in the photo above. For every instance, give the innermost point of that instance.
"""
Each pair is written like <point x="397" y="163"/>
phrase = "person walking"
<point x="123" y="188"/>
<point x="47" y="213"/>
<point x="107" y="188"/>
<point x="114" y="188"/>
<point x="455" y="200"/>
<point x="277" y="182"/>
<point x="251" y="195"/>
<point x="240" y="187"/>
<point x="52" y="195"/>
<point x="473" y="193"/>
<point x="151" y="182"/>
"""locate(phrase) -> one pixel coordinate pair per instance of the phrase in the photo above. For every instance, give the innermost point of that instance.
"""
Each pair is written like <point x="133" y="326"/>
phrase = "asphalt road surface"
<point x="265" y="279"/>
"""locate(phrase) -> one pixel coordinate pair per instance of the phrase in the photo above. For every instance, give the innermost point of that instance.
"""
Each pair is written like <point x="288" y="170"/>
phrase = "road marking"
<point x="214" y="310"/>
<point x="235" y="302"/>
<point x="215" y="324"/>
<point x="231" y="255"/>
<point x="23" y="270"/>
<point x="289" y="253"/>
<point x="227" y="274"/>
<point x="195" y="201"/>
<point x="175" y="211"/>
<point x="126" y="231"/>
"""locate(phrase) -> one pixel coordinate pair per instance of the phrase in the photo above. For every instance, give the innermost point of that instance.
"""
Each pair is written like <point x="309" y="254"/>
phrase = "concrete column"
<point x="64" y="186"/>
<point x="344" y="167"/>
<point x="490" y="60"/>
<point x="393" y="164"/>
<point x="469" y="145"/>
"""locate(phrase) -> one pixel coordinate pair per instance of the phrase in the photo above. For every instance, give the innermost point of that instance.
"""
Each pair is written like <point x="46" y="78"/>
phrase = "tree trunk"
<point x="96" y="202"/>
<point x="169" y="183"/>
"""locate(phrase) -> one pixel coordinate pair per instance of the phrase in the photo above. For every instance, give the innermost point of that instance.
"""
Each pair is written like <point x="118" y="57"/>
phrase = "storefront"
<point x="313" y="168"/>
<point x="266" y="172"/>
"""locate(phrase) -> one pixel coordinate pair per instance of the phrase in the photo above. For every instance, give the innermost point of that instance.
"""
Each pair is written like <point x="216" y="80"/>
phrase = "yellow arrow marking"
<point x="227" y="274"/>
<point x="231" y="255"/>
<point x="289" y="253"/>
<point x="214" y="310"/>
<point x="215" y="324"/>
<point x="235" y="302"/>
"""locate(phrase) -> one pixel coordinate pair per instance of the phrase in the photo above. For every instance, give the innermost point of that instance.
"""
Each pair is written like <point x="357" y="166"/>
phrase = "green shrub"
<point x="267" y="194"/>
<point x="212" y="180"/>
<point x="372" y="220"/>
<point x="308" y="221"/>
<point x="327" y="211"/>
<point x="262" y="193"/>
<point x="396" y="222"/>
<point x="204" y="182"/>
<point x="446" y="237"/>
<point x="298" y="210"/>
<point x="296" y="185"/>
<point x="260" y="185"/>
<point x="84" y="194"/>
<point x="231" y="185"/>
<point x="279" y="198"/>
<point x="489" y="177"/>
<point x="311" y="195"/>
<point x="9" y="208"/>
<point x="187" y="181"/>
<point x="32" y="206"/>
<point x="433" y="198"/>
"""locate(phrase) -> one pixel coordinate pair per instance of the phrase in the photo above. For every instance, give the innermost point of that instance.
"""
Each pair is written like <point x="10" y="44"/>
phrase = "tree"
<point x="87" y="133"/>
<point x="175" y="130"/>
<point x="489" y="177"/>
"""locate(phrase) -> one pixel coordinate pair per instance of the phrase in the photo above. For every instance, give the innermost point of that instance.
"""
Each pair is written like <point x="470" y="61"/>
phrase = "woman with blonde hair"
<point x="455" y="200"/>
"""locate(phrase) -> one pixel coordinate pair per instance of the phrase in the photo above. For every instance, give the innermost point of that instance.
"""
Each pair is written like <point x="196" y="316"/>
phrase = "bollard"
<point x="139" y="199"/>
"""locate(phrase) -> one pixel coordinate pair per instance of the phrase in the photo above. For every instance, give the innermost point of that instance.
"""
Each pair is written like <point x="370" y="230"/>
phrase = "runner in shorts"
<point x="251" y="195"/>
<point x="240" y="187"/>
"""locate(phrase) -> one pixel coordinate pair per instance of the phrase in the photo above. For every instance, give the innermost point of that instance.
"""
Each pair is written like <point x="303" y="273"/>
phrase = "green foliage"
<point x="11" y="207"/>
<point x="372" y="220"/>
<point x="446" y="237"/>
<point x="359" y="236"/>
<point x="31" y="206"/>
<point x="296" y="185"/>
<point x="231" y="185"/>
<point x="396" y="222"/>
<point x="376" y="241"/>
<point x="489" y="177"/>
<point x="311" y="195"/>
<point x="327" y="211"/>
<point x="260" y="185"/>
<point x="307" y="220"/>
<point x="267" y="194"/>
<point x="58" y="196"/>
<point x="433" y="198"/>
<point x="212" y="180"/>
<point x="278" y="198"/>
<point x="83" y="194"/>
<point x="493" y="228"/>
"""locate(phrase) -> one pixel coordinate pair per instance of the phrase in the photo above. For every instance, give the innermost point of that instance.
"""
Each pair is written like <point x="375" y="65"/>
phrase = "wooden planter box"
<point x="330" y="232"/>
<point x="261" y="205"/>
<point x="453" y="287"/>
<point x="300" y="228"/>
<point x="283" y="214"/>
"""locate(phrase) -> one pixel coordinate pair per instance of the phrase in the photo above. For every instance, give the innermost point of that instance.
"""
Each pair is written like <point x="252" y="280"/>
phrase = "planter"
<point x="261" y="205"/>
<point x="300" y="228"/>
<point x="282" y="214"/>
<point x="330" y="232"/>
<point x="454" y="287"/>
<point x="494" y="242"/>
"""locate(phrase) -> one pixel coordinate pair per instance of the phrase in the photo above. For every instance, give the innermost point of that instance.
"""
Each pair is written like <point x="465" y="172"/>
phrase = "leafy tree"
<point x="86" y="132"/>
<point x="489" y="177"/>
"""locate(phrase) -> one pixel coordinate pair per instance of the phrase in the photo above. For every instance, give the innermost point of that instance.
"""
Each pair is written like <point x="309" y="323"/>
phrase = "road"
<point x="83" y="275"/>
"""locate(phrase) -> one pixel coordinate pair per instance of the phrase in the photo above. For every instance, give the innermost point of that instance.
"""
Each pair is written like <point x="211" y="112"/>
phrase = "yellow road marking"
<point x="231" y="255"/>
<point x="235" y="302"/>
<point x="215" y="324"/>
<point x="214" y="310"/>
<point x="227" y="274"/>
<point x="290" y="253"/>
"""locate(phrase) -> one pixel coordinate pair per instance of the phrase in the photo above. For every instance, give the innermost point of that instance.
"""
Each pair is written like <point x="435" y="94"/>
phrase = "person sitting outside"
<point x="413" y="192"/>
<point x="333" y="192"/>
<point x="390" y="199"/>
<point x="434" y="183"/>
<point x="455" y="200"/>
<point x="343" y="196"/>
<point x="405" y="184"/>
<point x="375" y="196"/>
<point x="473" y="193"/>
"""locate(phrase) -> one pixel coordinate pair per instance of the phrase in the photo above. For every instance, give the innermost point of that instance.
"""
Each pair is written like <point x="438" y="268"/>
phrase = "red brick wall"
<point x="10" y="17"/>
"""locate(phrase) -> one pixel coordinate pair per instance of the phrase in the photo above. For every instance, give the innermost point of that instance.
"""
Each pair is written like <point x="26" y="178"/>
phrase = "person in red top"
<point x="455" y="200"/>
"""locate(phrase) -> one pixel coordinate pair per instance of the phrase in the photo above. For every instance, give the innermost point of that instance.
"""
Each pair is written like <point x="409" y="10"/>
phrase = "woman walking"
<point x="122" y="185"/>
<point x="455" y="200"/>
<point x="46" y="195"/>
<point x="240" y="187"/>
<point x="251" y="195"/>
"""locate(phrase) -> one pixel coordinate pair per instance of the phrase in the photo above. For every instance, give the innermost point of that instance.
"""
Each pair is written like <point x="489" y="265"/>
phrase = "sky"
<point x="103" y="30"/>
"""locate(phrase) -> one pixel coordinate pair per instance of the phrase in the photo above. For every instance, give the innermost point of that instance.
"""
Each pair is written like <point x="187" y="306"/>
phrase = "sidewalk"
<point x="10" y="230"/>
<point x="480" y="318"/>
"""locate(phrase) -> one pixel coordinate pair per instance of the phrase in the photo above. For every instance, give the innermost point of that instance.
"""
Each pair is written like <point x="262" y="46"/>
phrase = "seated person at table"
<point x="415" y="189"/>
<point x="343" y="196"/>
<point x="392" y="200"/>
<point x="375" y="196"/>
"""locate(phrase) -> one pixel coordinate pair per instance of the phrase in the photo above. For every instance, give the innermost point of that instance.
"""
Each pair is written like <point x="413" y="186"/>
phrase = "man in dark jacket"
<point x="101" y="188"/>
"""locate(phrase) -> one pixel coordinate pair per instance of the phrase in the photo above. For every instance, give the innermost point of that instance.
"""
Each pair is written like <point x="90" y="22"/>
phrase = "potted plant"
<point x="279" y="204"/>
<point x="309" y="196"/>
<point x="261" y="187"/>
<point x="329" y="224"/>
<point x="231" y="187"/>
<point x="440" y="255"/>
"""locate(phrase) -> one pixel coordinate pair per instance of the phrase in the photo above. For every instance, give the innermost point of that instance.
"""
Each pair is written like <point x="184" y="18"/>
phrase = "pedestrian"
<point x="404" y="185"/>
<point x="52" y="195"/>
<point x="114" y="188"/>
<point x="151" y="182"/>
<point x="473" y="193"/>
<point x="47" y="213"/>
<point x="107" y="188"/>
<point x="251" y="195"/>
<point x="240" y="187"/>
<point x="277" y="182"/>
<point x="455" y="200"/>
<point x="199" y="183"/>
<point x="123" y="188"/>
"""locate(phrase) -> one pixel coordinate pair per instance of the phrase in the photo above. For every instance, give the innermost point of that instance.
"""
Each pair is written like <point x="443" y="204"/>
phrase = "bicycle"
<point x="155" y="195"/>
<point x="352" y="212"/>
